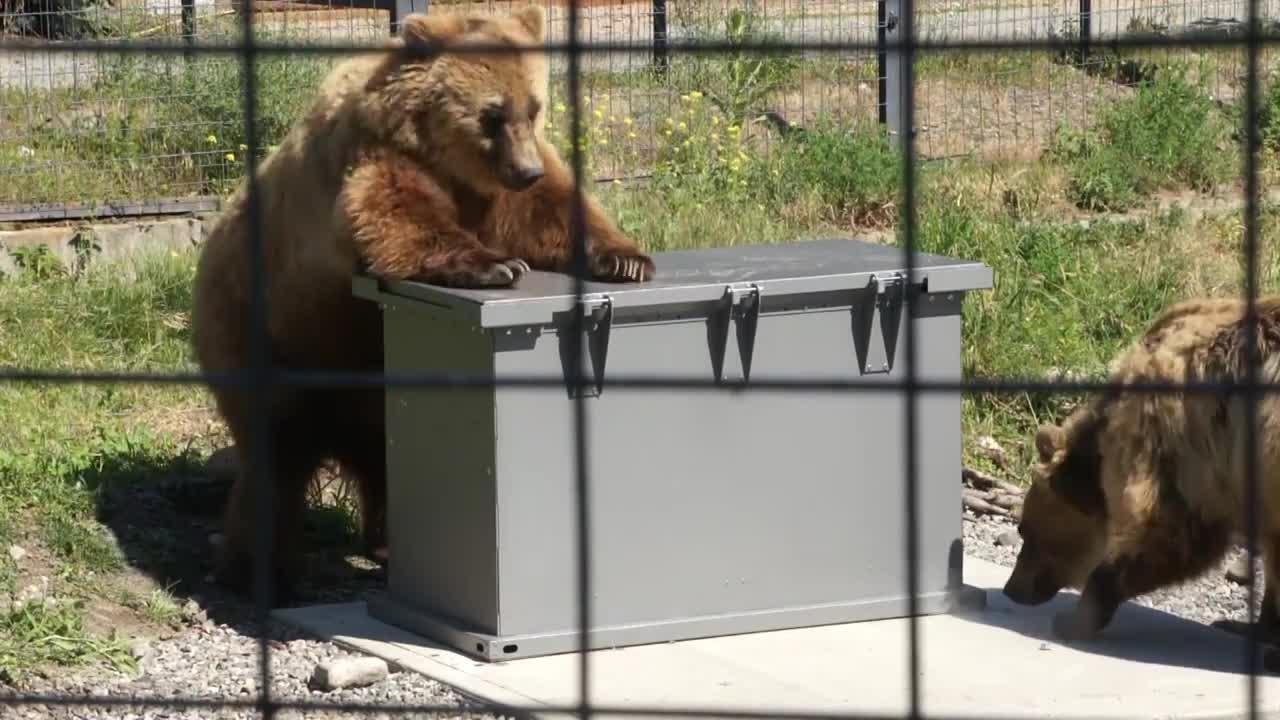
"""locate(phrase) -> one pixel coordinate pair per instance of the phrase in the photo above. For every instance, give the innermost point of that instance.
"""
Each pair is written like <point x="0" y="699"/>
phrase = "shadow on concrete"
<point x="1136" y="634"/>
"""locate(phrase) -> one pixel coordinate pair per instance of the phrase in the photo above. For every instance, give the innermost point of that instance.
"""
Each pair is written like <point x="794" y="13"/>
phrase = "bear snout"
<point x="523" y="177"/>
<point x="1041" y="589"/>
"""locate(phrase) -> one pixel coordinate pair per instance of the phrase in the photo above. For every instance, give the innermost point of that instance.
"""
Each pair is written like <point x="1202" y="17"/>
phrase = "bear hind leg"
<point x="364" y="458"/>
<point x="294" y="458"/>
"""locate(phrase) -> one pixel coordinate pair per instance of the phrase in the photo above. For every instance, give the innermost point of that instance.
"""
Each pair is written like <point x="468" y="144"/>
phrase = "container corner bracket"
<point x="876" y="324"/>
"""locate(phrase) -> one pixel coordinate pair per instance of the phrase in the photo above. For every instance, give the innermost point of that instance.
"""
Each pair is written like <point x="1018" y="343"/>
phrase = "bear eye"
<point x="491" y="119"/>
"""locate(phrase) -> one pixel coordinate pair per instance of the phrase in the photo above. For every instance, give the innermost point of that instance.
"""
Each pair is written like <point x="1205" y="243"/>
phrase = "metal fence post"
<point x="882" y="88"/>
<point x="402" y="8"/>
<point x="188" y="27"/>
<point x="660" y="59"/>
<point x="1086" y="29"/>
<point x="894" y="93"/>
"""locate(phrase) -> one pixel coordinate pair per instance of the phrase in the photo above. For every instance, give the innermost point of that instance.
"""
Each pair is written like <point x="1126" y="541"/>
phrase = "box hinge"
<point x="876" y="324"/>
<point x="597" y="322"/>
<point x="742" y="305"/>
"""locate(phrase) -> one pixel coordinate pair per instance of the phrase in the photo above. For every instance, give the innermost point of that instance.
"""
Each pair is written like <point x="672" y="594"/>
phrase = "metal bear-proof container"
<point x="711" y="512"/>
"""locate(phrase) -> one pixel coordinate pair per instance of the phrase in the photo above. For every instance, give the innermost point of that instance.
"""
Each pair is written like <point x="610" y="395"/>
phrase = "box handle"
<point x="875" y="325"/>
<point x="741" y="304"/>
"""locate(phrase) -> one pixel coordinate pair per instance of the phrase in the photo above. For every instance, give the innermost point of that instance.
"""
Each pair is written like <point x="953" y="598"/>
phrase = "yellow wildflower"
<point x="627" y="120"/>
<point x="231" y="157"/>
<point x="211" y="139"/>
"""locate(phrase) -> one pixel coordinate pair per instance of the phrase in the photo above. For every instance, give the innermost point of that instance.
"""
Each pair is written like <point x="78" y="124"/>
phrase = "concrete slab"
<point x="1000" y="662"/>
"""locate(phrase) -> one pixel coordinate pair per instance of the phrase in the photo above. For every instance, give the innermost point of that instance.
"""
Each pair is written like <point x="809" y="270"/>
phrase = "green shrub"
<point x="1169" y="133"/>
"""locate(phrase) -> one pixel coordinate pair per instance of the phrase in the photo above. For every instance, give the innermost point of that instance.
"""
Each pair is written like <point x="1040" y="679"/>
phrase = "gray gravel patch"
<point x="216" y="663"/>
<point x="1208" y="599"/>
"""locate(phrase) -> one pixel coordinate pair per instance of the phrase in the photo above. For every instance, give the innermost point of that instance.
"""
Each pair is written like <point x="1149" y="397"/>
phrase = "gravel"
<point x="1208" y="599"/>
<point x="215" y="662"/>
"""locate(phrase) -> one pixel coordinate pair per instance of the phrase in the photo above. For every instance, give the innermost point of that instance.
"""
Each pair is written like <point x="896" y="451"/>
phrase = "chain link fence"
<point x="77" y="129"/>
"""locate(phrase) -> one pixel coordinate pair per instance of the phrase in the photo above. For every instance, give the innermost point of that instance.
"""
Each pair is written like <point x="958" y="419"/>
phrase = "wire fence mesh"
<point x="185" y="119"/>
<point x="79" y="125"/>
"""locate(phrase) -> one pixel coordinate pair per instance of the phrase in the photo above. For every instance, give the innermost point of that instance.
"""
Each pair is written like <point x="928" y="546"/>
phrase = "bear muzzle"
<point x="523" y="177"/>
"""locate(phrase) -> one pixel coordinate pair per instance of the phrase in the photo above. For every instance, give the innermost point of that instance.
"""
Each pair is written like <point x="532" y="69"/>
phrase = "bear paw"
<point x="623" y="267"/>
<point x="502" y="274"/>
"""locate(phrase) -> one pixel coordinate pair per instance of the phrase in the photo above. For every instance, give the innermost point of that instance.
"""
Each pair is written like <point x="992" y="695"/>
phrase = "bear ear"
<point x="424" y="29"/>
<point x="533" y="19"/>
<point x="1049" y="440"/>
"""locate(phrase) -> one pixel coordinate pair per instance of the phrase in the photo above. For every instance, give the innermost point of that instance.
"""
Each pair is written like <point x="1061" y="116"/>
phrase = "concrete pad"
<point x="997" y="662"/>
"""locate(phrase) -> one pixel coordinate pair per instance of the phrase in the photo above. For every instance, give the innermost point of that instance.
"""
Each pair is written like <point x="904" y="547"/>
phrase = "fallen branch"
<point x="974" y="500"/>
<point x="983" y="481"/>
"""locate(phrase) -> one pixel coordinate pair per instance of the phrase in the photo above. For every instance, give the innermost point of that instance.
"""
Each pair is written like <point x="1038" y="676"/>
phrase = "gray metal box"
<point x="712" y="512"/>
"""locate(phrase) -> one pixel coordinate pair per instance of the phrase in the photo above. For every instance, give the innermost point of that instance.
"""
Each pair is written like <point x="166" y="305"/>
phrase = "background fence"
<point x="78" y="128"/>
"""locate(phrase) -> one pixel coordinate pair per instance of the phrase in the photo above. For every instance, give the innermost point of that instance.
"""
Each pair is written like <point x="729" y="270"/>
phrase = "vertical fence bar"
<point x="901" y="67"/>
<point x="1085" y="15"/>
<point x="260" y="387"/>
<point x="577" y="326"/>
<point x="188" y="28"/>
<point x="882" y="86"/>
<point x="897" y="92"/>
<point x="1252" y="352"/>
<point x="660" y="59"/>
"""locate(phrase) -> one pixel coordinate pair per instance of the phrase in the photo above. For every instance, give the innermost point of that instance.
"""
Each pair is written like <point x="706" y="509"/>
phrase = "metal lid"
<point x="685" y="276"/>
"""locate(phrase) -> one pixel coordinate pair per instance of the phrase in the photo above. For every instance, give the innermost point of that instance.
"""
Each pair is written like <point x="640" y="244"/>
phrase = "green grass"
<point x="1170" y="134"/>
<point x="66" y="443"/>
<point x="40" y="635"/>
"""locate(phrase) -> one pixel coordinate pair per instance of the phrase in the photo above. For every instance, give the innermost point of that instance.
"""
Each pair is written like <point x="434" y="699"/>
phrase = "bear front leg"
<point x="405" y="226"/>
<point x="536" y="224"/>
<point x="1097" y="605"/>
<point x="1163" y="554"/>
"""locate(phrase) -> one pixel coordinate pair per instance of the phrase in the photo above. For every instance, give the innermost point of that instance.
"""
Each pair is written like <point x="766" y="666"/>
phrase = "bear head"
<point x="1063" y="522"/>
<point x="477" y="115"/>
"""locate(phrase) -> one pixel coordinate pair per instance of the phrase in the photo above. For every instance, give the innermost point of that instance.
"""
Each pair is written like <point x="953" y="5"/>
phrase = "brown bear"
<point x="1137" y="491"/>
<point x="419" y="165"/>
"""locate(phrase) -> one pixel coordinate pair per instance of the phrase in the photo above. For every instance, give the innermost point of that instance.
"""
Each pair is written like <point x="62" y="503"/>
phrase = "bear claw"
<point x="503" y="274"/>
<point x="617" y="267"/>
<point x="518" y="266"/>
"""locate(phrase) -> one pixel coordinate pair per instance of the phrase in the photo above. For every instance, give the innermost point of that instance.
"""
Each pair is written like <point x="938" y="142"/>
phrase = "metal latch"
<point x="742" y="305"/>
<point x="597" y="318"/>
<point x="876" y="324"/>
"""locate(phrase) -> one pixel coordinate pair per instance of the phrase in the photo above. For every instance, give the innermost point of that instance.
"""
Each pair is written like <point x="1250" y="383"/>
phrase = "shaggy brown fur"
<point x="1138" y="491"/>
<point x="432" y="168"/>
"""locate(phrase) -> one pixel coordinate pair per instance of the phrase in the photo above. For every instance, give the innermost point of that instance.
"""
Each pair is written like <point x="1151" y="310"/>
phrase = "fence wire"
<point x="70" y="64"/>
